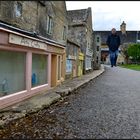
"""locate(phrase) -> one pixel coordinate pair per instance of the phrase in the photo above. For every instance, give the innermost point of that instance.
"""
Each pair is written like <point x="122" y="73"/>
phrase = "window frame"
<point x="18" y="9"/>
<point x="49" y="25"/>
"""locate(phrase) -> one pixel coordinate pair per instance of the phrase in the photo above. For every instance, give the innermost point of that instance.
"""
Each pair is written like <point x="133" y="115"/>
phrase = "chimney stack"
<point x="123" y="28"/>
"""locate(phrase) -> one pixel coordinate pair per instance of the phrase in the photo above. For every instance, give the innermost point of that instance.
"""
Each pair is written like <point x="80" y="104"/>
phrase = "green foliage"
<point x="131" y="66"/>
<point x="133" y="52"/>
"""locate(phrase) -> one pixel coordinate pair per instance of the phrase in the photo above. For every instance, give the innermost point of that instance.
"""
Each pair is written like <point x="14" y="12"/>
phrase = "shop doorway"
<point x="53" y="70"/>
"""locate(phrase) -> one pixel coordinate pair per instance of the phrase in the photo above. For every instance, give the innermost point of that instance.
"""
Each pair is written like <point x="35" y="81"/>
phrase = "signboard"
<point x="89" y="52"/>
<point x="55" y="49"/>
<point x="19" y="40"/>
<point x="71" y="57"/>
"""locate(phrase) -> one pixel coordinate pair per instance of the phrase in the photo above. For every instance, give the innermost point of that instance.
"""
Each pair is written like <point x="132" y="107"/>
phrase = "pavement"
<point x="44" y="100"/>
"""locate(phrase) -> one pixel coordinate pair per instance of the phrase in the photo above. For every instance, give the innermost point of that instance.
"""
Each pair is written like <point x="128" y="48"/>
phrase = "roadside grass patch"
<point x="131" y="66"/>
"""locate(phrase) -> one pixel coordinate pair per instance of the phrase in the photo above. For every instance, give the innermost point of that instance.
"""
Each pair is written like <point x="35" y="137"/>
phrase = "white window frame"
<point x="18" y="9"/>
<point x="49" y="24"/>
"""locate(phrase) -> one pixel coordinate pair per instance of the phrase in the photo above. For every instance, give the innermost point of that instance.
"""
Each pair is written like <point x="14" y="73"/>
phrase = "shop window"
<point x="88" y="63"/>
<point x="49" y="25"/>
<point x="18" y="9"/>
<point x="39" y="70"/>
<point x="12" y="72"/>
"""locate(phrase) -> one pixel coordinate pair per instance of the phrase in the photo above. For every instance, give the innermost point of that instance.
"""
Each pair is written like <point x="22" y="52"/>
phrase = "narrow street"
<point x="108" y="107"/>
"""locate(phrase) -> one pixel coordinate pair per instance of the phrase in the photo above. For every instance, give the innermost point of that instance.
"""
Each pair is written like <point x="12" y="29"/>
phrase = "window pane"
<point x="39" y="69"/>
<point x="49" y="25"/>
<point x="12" y="72"/>
<point x="18" y="9"/>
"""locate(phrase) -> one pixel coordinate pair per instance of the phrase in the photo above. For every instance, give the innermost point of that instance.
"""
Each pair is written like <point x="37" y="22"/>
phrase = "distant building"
<point x="72" y="59"/>
<point x="125" y="36"/>
<point x="80" y="30"/>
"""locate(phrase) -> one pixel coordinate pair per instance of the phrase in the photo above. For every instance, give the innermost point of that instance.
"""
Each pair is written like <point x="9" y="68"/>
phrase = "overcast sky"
<point x="108" y="14"/>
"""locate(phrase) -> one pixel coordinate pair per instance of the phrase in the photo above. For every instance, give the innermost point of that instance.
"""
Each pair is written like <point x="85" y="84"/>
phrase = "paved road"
<point x="108" y="107"/>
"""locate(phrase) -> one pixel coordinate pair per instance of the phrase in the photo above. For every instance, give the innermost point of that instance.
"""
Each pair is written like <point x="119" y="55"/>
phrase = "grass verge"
<point x="131" y="66"/>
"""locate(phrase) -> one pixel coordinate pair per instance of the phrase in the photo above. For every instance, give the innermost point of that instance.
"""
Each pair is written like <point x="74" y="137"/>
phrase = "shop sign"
<point x="55" y="49"/>
<point x="71" y="57"/>
<point x="19" y="40"/>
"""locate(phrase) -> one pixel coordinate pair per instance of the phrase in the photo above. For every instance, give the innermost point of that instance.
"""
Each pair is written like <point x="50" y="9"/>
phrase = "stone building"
<point x="33" y="38"/>
<point x="80" y="30"/>
<point x="126" y="37"/>
<point x="46" y="18"/>
<point x="72" y="59"/>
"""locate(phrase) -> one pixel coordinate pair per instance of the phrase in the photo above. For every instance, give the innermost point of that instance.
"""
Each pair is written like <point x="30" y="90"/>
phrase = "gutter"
<point x="29" y="34"/>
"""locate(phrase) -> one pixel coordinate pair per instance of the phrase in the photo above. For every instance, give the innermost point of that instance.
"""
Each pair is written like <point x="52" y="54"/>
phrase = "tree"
<point x="133" y="52"/>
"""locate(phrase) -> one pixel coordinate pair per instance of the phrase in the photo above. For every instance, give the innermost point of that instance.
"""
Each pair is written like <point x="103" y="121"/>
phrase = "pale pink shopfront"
<point x="28" y="66"/>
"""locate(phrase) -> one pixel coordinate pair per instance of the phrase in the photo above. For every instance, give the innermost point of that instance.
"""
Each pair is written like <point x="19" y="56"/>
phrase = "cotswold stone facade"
<point x="73" y="65"/>
<point x="80" y="30"/>
<point x="35" y="16"/>
<point x="22" y="14"/>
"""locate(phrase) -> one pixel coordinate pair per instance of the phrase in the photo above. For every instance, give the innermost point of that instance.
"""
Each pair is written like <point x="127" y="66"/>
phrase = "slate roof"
<point x="77" y="16"/>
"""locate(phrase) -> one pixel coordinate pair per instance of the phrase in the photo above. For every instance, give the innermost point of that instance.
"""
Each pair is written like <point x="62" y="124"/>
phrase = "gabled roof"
<point x="77" y="16"/>
<point x="73" y="42"/>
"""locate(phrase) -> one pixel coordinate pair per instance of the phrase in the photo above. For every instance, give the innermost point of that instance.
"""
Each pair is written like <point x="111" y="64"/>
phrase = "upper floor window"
<point x="64" y="33"/>
<point x="49" y="24"/>
<point x="18" y="9"/>
<point x="97" y="48"/>
<point x="98" y="39"/>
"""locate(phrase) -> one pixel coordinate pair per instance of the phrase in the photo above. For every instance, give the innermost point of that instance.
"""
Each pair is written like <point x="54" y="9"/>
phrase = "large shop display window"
<point x="12" y="72"/>
<point x="39" y="69"/>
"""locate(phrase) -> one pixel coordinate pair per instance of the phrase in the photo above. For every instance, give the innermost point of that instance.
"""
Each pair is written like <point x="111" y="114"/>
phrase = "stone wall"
<point x="28" y="19"/>
<point x="34" y="17"/>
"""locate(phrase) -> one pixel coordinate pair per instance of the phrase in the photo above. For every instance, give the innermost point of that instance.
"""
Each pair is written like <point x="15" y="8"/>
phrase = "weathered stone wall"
<point x="78" y="33"/>
<point x="34" y="17"/>
<point x="57" y="10"/>
<point x="60" y="21"/>
<point x="29" y="14"/>
<point x="80" y="29"/>
<point x="89" y="28"/>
